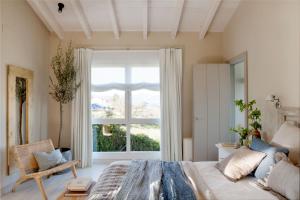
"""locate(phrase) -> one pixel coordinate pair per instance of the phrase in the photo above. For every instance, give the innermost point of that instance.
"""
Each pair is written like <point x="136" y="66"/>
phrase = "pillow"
<point x="288" y="136"/>
<point x="270" y="151"/>
<point x="47" y="160"/>
<point x="240" y="163"/>
<point x="285" y="179"/>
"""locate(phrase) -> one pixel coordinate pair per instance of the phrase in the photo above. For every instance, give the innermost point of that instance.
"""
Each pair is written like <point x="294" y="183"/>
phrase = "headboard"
<point x="289" y="114"/>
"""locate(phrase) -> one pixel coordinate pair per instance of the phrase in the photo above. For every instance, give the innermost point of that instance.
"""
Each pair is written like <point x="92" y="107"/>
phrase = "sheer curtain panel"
<point x="171" y="105"/>
<point x="81" y="132"/>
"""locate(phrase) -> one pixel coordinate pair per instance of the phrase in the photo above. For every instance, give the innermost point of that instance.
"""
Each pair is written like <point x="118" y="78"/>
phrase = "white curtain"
<point x="81" y="132"/>
<point x="171" y="111"/>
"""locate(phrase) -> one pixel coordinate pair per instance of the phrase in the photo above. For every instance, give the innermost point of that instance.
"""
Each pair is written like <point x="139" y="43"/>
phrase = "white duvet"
<point x="211" y="184"/>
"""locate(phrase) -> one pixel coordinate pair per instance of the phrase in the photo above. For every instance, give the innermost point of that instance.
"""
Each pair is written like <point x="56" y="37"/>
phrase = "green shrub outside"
<point x="116" y="140"/>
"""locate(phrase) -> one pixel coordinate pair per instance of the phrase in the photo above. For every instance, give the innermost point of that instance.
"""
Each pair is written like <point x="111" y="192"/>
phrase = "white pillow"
<point x="288" y="136"/>
<point x="240" y="163"/>
<point x="284" y="179"/>
<point x="47" y="160"/>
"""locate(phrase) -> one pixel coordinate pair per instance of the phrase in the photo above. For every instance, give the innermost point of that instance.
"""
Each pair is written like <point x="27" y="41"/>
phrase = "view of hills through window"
<point x="125" y="103"/>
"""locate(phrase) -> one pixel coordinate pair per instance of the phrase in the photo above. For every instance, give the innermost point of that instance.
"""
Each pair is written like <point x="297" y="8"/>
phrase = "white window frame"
<point x="128" y="88"/>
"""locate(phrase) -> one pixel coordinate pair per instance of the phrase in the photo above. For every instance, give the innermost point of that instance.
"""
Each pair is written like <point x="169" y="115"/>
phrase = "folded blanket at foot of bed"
<point x="175" y="184"/>
<point x="144" y="179"/>
<point x="109" y="182"/>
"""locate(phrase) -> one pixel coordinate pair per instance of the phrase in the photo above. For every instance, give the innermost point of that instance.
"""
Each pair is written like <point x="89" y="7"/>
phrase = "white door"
<point x="212" y="102"/>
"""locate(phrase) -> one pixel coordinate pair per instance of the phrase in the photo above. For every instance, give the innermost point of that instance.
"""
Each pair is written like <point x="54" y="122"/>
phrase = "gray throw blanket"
<point x="109" y="183"/>
<point x="142" y="181"/>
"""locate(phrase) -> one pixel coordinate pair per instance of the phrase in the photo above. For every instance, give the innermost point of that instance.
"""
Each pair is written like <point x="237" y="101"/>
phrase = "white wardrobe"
<point x="212" y="109"/>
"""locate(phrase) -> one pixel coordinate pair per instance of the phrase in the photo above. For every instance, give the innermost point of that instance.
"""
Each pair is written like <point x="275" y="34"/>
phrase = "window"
<point x="125" y="108"/>
<point x="239" y="91"/>
<point x="239" y="74"/>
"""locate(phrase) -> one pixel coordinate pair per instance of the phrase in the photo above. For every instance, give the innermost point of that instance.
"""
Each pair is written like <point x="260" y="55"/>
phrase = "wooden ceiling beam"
<point x="113" y="18"/>
<point x="178" y="16"/>
<point x="146" y="19"/>
<point x="42" y="10"/>
<point x="82" y="18"/>
<point x="209" y="18"/>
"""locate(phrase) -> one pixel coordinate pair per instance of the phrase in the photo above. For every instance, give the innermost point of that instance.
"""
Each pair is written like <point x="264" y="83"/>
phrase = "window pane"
<point x="239" y="86"/>
<point x="108" y="105"/>
<point x="106" y="75"/>
<point x="110" y="137"/>
<point x="145" y="104"/>
<point x="145" y="137"/>
<point x="145" y="74"/>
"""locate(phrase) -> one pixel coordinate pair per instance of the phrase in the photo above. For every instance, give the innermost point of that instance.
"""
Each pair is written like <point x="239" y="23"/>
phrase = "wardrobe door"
<point x="211" y="109"/>
<point x="199" y="113"/>
<point x="226" y="103"/>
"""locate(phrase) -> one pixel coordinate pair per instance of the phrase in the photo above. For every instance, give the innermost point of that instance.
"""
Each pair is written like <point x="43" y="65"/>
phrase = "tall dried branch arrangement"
<point x="63" y="84"/>
<point x="21" y="96"/>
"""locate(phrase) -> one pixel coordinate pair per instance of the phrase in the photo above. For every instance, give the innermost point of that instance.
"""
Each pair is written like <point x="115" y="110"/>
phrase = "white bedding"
<point x="209" y="183"/>
<point x="213" y="185"/>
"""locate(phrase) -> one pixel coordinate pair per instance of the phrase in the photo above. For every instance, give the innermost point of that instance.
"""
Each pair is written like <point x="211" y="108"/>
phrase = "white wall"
<point x="269" y="32"/>
<point x="25" y="42"/>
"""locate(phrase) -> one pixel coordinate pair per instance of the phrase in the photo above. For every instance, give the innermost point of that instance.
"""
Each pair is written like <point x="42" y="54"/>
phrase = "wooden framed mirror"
<point x="19" y="106"/>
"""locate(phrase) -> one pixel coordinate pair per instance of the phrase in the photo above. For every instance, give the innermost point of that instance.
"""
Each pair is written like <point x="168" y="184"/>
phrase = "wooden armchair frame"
<point x="28" y="166"/>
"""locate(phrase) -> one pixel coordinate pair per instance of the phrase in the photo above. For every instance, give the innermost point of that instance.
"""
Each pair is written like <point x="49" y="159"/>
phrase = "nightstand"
<point x="224" y="151"/>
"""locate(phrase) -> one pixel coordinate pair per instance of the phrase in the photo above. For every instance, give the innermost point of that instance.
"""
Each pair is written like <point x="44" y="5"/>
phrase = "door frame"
<point x="242" y="57"/>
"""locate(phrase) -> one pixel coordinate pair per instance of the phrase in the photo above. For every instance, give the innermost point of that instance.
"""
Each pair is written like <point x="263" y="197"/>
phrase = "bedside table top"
<point x="228" y="147"/>
<point x="225" y="150"/>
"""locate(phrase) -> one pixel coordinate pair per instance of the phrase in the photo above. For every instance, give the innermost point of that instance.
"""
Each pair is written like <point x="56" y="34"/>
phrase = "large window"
<point x="125" y="108"/>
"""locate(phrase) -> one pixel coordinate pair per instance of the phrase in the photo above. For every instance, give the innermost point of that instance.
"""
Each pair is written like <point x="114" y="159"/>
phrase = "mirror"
<point x="21" y="111"/>
<point x="239" y="85"/>
<point x="19" y="101"/>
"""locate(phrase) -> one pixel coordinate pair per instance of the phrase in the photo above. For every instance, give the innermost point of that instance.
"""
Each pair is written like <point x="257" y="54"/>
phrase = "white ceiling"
<point x="136" y="15"/>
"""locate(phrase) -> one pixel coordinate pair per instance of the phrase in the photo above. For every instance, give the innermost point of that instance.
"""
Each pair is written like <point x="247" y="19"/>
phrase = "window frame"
<point x="127" y="87"/>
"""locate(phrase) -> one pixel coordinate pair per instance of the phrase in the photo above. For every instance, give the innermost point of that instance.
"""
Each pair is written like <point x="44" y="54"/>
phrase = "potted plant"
<point x="254" y="118"/>
<point x="243" y="135"/>
<point x="63" y="83"/>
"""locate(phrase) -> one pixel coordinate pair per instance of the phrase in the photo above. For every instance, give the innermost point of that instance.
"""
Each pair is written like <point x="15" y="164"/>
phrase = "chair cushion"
<point x="270" y="151"/>
<point x="47" y="160"/>
<point x="240" y="163"/>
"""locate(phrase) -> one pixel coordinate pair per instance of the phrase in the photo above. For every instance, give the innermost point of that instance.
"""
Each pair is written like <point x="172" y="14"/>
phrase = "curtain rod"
<point x="128" y="48"/>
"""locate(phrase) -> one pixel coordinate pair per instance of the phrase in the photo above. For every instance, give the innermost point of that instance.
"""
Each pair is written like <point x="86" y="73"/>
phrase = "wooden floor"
<point x="54" y="186"/>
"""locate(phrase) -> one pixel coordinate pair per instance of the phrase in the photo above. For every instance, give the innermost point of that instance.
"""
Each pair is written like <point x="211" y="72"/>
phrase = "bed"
<point x="207" y="181"/>
<point x="202" y="179"/>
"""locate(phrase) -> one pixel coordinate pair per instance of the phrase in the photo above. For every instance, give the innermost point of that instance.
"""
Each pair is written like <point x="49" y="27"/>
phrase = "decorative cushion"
<point x="288" y="136"/>
<point x="270" y="151"/>
<point x="47" y="160"/>
<point x="240" y="163"/>
<point x="285" y="179"/>
<point x="67" y="155"/>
